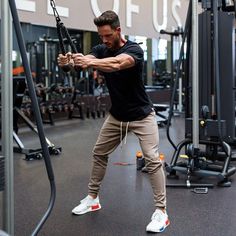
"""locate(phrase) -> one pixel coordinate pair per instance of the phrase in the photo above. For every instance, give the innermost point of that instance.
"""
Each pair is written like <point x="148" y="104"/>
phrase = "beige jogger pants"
<point x="111" y="134"/>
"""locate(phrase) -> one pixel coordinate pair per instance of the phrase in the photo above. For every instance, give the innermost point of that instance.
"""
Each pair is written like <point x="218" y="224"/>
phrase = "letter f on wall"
<point x="129" y="9"/>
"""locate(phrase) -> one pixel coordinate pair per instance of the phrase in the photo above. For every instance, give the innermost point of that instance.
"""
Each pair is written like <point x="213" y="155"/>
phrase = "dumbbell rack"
<point x="19" y="86"/>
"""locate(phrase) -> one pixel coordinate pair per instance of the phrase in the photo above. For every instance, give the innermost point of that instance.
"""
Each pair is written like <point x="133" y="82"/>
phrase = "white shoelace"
<point x="157" y="215"/>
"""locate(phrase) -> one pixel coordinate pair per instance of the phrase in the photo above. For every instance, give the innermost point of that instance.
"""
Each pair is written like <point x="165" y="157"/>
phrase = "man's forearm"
<point x="107" y="64"/>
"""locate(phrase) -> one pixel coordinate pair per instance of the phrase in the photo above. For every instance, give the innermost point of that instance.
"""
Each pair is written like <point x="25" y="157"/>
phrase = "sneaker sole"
<point x="160" y="230"/>
<point x="90" y="209"/>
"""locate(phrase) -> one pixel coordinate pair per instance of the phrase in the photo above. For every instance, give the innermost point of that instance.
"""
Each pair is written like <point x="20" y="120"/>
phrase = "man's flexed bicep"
<point x="126" y="61"/>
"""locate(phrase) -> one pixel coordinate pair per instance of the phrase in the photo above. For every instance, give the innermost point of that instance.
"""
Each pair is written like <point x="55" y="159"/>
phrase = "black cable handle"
<point x="62" y="31"/>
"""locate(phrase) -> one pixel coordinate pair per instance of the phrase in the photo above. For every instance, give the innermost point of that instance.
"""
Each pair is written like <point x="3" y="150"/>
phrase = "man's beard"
<point x="116" y="44"/>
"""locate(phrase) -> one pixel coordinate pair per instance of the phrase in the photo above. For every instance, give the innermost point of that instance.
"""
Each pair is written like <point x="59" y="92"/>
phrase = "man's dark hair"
<point x="108" y="18"/>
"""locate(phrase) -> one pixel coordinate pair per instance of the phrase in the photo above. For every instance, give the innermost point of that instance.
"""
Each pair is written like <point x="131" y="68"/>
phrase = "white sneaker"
<point x="86" y="205"/>
<point x="159" y="222"/>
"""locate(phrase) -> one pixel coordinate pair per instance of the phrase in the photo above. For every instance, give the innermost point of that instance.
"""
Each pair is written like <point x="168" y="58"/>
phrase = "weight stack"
<point x="2" y="173"/>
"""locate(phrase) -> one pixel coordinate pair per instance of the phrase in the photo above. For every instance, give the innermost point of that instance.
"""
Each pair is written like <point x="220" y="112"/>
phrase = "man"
<point x="121" y="63"/>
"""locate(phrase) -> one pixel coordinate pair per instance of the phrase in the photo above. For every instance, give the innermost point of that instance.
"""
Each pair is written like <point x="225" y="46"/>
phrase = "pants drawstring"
<point x="121" y="132"/>
<point x="126" y="132"/>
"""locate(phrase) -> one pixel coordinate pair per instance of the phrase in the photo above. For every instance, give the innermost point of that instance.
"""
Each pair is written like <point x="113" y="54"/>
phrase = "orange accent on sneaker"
<point x="95" y="207"/>
<point x="167" y="222"/>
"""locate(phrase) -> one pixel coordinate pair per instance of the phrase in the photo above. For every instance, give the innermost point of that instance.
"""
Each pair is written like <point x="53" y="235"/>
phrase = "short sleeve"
<point x="136" y="52"/>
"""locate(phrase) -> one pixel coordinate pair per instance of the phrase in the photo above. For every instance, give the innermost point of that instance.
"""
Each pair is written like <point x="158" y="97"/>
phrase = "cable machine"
<point x="205" y="136"/>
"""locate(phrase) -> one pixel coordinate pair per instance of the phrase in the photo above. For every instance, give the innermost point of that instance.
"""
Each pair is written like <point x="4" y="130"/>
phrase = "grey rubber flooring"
<point x="126" y="196"/>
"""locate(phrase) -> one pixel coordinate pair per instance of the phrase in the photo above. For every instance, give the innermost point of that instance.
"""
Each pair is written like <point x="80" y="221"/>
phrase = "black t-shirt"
<point x="129" y="100"/>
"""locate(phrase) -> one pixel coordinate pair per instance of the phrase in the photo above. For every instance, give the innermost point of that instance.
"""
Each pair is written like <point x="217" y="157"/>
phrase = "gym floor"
<point x="126" y="196"/>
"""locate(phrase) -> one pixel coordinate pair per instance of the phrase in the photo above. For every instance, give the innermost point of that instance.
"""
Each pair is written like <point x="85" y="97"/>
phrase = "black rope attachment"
<point x="62" y="31"/>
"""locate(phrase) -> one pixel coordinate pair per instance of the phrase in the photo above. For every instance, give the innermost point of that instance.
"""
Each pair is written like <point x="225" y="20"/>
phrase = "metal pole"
<point x="46" y="64"/>
<point x="195" y="78"/>
<point x="7" y="117"/>
<point x="180" y="77"/>
<point x="180" y="94"/>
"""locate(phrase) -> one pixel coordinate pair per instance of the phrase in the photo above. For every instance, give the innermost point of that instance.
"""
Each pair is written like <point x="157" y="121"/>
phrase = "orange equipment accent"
<point x="18" y="70"/>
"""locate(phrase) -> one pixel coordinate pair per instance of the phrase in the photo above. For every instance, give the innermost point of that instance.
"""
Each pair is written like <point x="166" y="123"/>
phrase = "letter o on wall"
<point x="96" y="10"/>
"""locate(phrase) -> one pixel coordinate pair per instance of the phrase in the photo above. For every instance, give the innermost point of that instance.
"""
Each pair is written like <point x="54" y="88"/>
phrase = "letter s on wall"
<point x="175" y="4"/>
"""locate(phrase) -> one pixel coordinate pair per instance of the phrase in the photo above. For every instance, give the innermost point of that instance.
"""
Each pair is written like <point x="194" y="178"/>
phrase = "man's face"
<point x="110" y="37"/>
